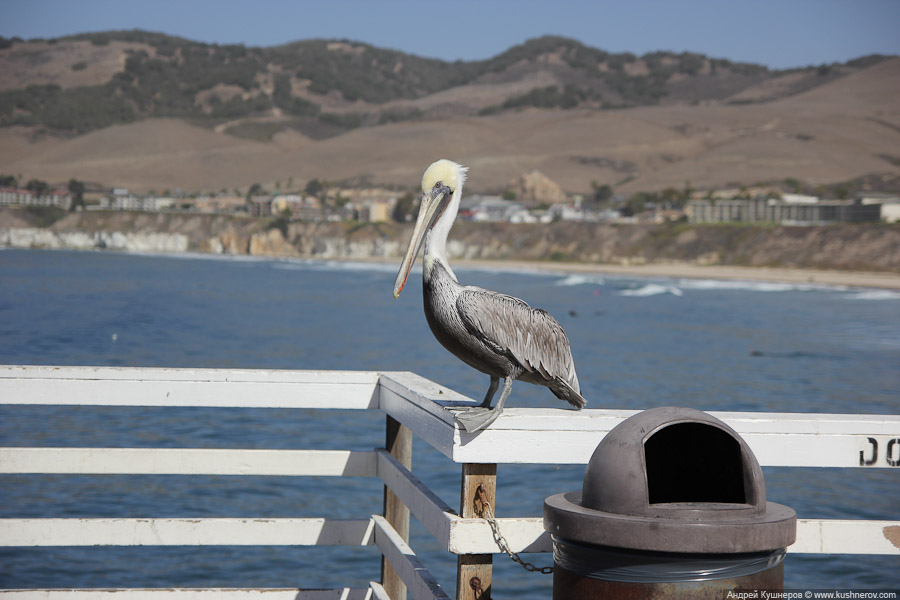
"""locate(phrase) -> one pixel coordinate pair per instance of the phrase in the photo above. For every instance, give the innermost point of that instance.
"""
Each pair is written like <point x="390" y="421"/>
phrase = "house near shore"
<point x="220" y="204"/>
<point x="260" y="206"/>
<point x="790" y="209"/>
<point x="11" y="196"/>
<point x="303" y="208"/>
<point x="123" y="199"/>
<point x="890" y="205"/>
<point x="567" y="212"/>
<point x="376" y="211"/>
<point x="492" y="209"/>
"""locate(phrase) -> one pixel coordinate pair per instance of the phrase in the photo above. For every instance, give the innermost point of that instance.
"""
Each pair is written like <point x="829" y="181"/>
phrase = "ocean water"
<point x="637" y="343"/>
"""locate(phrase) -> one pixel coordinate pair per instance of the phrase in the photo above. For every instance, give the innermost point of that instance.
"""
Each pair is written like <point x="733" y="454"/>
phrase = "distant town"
<point x="542" y="203"/>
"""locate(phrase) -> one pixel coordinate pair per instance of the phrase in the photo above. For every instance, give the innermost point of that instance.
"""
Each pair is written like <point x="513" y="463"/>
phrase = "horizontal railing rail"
<point x="533" y="435"/>
<point x="427" y="410"/>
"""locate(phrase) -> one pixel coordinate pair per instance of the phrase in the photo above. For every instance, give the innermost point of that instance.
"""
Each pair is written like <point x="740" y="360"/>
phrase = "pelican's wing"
<point x="532" y="336"/>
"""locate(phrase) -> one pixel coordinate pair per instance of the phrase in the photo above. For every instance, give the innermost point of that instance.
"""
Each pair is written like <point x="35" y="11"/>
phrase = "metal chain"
<point x="501" y="541"/>
<point x="480" y="594"/>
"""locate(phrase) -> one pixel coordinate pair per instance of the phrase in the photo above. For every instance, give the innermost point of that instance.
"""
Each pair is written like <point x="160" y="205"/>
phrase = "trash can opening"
<point x="694" y="462"/>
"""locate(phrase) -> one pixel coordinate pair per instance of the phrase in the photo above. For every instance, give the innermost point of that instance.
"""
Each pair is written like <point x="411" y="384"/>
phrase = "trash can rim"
<point x="776" y="528"/>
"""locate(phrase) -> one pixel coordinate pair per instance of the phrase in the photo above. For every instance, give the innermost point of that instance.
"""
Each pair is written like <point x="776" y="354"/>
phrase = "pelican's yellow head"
<point x="441" y="185"/>
<point x="442" y="173"/>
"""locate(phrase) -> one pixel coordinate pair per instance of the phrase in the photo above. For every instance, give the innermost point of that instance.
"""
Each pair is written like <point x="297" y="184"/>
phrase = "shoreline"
<point x="860" y="279"/>
<point x="863" y="279"/>
<point x="826" y="277"/>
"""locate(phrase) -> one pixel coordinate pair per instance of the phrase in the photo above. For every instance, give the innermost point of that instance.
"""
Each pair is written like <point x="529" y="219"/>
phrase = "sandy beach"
<point x="679" y="270"/>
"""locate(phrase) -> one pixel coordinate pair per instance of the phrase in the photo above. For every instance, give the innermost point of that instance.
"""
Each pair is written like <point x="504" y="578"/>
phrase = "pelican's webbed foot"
<point x="478" y="418"/>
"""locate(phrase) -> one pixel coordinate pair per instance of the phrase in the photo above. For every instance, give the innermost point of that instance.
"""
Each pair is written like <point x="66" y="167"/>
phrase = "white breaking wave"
<point x="304" y="264"/>
<point x="752" y="286"/>
<point x="247" y="258"/>
<point x="652" y="289"/>
<point x="667" y="285"/>
<point x="282" y="262"/>
<point x="874" y="295"/>
<point x="581" y="280"/>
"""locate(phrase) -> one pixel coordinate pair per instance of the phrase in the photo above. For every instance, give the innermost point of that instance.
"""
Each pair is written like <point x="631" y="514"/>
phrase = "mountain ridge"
<point x="543" y="105"/>
<point x="323" y="87"/>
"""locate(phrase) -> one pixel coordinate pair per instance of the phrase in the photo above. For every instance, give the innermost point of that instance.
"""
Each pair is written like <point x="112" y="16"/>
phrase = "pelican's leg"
<point x="507" y="388"/>
<point x="492" y="389"/>
<point x="476" y="419"/>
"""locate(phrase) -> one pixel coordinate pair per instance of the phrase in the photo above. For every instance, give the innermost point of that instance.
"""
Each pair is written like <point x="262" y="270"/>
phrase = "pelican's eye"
<point x="439" y="184"/>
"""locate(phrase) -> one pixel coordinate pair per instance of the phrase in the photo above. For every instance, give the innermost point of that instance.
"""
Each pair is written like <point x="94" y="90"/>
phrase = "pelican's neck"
<point x="436" y="238"/>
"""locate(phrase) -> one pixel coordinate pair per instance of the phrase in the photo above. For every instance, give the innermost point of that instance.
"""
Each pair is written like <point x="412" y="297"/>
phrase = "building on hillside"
<point x="376" y="210"/>
<point x="798" y="199"/>
<point x="220" y="204"/>
<point x="890" y="205"/>
<point x="163" y="203"/>
<point x="659" y="215"/>
<point x="10" y="196"/>
<point x="567" y="212"/>
<point x="303" y="208"/>
<point x="368" y="210"/>
<point x="130" y="201"/>
<point x="802" y="210"/>
<point x="490" y="209"/>
<point x="260" y="206"/>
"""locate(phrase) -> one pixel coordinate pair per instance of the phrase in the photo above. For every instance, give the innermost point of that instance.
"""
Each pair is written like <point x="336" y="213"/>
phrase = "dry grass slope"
<point x="843" y="129"/>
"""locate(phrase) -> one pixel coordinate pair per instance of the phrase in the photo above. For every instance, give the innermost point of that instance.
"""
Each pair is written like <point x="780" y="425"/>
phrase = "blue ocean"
<point x="638" y="343"/>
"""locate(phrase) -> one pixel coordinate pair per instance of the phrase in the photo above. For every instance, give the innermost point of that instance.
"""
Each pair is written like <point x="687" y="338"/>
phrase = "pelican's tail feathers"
<point x="563" y="390"/>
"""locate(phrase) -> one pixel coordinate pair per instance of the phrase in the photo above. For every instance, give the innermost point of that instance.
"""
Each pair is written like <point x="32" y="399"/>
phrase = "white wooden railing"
<point x="414" y="406"/>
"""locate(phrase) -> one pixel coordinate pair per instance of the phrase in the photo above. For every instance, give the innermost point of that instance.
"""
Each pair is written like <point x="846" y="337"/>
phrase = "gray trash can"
<point x="673" y="506"/>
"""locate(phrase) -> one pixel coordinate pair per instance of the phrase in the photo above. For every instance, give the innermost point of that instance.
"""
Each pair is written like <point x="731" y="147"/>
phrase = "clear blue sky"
<point x="776" y="33"/>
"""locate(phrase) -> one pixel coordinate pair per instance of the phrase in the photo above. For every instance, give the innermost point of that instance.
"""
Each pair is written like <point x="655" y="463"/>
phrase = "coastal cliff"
<point x="864" y="247"/>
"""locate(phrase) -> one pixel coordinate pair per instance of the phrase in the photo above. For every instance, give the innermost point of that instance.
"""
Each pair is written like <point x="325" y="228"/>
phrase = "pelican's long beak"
<point x="431" y="207"/>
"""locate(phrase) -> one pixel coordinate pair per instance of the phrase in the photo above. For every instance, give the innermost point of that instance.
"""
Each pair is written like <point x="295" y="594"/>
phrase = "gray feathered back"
<point x="532" y="336"/>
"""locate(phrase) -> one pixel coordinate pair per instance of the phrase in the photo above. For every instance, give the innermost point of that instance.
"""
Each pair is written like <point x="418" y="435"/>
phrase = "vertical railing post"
<point x="474" y="571"/>
<point x="398" y="441"/>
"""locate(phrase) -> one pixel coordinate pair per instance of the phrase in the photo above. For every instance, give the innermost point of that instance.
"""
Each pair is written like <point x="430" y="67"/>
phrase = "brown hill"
<point x="845" y="125"/>
<point x="64" y="63"/>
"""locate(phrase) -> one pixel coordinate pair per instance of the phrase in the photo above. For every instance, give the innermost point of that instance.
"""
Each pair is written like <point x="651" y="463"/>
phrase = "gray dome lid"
<point x="672" y="479"/>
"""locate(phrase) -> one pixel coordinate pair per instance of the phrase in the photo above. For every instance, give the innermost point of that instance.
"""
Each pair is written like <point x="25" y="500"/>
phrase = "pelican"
<point x="497" y="334"/>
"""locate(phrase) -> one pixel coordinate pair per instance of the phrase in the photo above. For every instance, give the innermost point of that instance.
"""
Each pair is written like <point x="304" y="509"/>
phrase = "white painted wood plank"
<point x="378" y="591"/>
<point x="187" y="461"/>
<point x="424" y="424"/>
<point x="185" y="532"/>
<point x="789" y="441"/>
<point x="474" y="536"/>
<point x="576" y="447"/>
<point x="420" y="583"/>
<point x="525" y="447"/>
<point x="188" y="594"/>
<point x="785" y="449"/>
<point x="597" y="419"/>
<point x="467" y="536"/>
<point x="230" y="394"/>
<point x="561" y="436"/>
<point x="110" y="386"/>
<point x="837" y="536"/>
<point x="811" y="423"/>
<point x="424" y="394"/>
<point x="814" y="536"/>
<point x="427" y="393"/>
<point x="186" y="374"/>
<point x="822" y="450"/>
<point x="519" y="436"/>
<point x="424" y="504"/>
